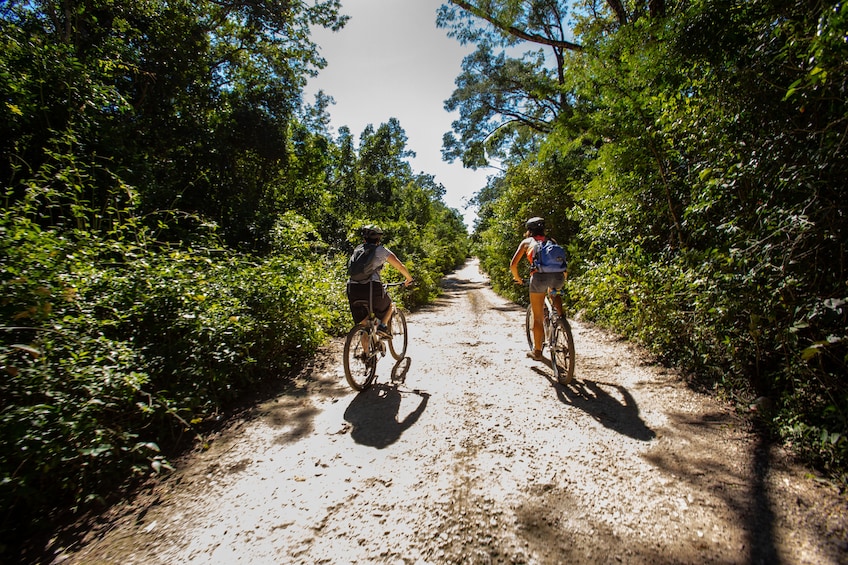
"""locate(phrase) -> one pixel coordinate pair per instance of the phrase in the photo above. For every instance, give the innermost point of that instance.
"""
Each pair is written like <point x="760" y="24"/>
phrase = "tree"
<point x="189" y="102"/>
<point x="506" y="102"/>
<point x="382" y="165"/>
<point x="703" y="149"/>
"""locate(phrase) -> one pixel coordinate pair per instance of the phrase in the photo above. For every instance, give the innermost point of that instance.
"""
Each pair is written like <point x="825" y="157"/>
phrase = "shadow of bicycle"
<point x="374" y="413"/>
<point x="610" y="404"/>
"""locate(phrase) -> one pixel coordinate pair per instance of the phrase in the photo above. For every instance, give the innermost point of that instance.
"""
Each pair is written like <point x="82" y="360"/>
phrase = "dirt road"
<point x="479" y="457"/>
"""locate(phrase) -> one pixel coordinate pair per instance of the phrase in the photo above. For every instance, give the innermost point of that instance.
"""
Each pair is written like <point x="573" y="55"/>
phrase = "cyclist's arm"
<point x="516" y="259"/>
<point x="395" y="262"/>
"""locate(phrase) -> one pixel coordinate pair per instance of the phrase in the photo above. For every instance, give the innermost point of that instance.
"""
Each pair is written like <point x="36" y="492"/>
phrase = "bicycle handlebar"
<point x="387" y="285"/>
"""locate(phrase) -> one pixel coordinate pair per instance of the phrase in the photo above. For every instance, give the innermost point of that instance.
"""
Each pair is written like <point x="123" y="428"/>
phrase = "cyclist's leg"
<point x="537" y="303"/>
<point x="387" y="317"/>
<point x="365" y="339"/>
<point x="556" y="291"/>
<point x="358" y="299"/>
<point x="557" y="300"/>
<point x="382" y="303"/>
<point x="538" y="288"/>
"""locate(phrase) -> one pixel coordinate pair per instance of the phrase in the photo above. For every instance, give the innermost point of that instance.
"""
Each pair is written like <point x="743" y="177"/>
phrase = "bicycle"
<point x="558" y="339"/>
<point x="364" y="346"/>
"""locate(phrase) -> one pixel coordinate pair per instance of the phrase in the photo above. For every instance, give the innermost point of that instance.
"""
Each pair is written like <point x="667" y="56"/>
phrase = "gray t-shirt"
<point x="381" y="254"/>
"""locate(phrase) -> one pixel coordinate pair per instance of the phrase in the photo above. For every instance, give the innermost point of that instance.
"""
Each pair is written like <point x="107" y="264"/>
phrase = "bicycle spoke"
<point x="360" y="364"/>
<point x="562" y="354"/>
<point x="399" y="341"/>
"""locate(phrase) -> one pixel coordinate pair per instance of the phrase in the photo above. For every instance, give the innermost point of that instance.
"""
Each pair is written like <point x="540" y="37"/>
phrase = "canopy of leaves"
<point x="700" y="167"/>
<point x="506" y="97"/>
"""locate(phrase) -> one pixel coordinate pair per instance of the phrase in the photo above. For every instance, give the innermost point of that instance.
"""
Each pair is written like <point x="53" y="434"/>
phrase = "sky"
<point x="391" y="61"/>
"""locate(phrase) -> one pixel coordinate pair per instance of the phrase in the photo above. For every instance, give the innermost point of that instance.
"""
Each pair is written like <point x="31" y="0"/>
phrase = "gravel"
<point x="481" y="457"/>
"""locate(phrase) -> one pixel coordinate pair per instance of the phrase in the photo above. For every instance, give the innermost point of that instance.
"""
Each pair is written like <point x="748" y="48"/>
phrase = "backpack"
<point x="549" y="257"/>
<point x="360" y="266"/>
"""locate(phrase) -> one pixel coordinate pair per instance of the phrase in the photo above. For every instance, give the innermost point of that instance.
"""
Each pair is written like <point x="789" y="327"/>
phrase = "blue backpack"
<point x="549" y="257"/>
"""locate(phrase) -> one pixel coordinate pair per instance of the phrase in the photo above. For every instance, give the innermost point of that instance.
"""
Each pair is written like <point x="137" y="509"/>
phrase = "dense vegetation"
<point x="175" y="217"/>
<point x="174" y="226"/>
<point x="693" y="156"/>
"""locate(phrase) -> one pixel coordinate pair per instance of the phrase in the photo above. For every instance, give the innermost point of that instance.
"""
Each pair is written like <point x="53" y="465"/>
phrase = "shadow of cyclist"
<point x="621" y="415"/>
<point x="373" y="414"/>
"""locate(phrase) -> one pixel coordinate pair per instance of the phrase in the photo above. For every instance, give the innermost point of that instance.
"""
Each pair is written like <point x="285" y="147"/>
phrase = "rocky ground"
<point x="481" y="457"/>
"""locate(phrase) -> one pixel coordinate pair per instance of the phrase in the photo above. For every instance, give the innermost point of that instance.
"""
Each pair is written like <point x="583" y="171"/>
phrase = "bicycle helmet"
<point x="535" y="225"/>
<point x="371" y="232"/>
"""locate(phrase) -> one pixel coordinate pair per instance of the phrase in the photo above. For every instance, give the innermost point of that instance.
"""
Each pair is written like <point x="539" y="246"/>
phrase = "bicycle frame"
<point x="557" y="338"/>
<point x="360" y="359"/>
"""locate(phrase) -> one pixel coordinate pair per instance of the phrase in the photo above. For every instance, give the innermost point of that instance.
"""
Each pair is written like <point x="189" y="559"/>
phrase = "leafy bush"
<point x="704" y="314"/>
<point x="126" y="323"/>
<point x="112" y="350"/>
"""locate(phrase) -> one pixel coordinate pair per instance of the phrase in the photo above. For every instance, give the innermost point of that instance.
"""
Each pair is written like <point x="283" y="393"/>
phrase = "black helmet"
<point x="371" y="232"/>
<point x="535" y="225"/>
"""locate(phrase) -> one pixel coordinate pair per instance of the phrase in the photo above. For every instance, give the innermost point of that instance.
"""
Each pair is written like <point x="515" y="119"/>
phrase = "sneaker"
<point x="383" y="331"/>
<point x="535" y="355"/>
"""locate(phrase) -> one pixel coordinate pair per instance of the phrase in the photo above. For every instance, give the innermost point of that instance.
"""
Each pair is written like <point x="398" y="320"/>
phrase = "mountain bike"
<point x="364" y="345"/>
<point x="558" y="339"/>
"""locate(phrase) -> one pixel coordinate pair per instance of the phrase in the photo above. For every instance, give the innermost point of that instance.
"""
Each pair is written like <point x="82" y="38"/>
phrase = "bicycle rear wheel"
<point x="528" y="327"/>
<point x="399" y="341"/>
<point x="359" y="365"/>
<point x="562" y="352"/>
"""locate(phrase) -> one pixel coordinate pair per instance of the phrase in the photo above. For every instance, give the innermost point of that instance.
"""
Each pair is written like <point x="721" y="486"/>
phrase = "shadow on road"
<point x="621" y="416"/>
<point x="743" y="485"/>
<point x="452" y="288"/>
<point x="373" y="414"/>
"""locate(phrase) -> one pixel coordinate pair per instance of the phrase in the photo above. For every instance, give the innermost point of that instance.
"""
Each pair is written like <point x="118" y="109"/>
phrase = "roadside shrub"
<point x="707" y="314"/>
<point x="112" y="352"/>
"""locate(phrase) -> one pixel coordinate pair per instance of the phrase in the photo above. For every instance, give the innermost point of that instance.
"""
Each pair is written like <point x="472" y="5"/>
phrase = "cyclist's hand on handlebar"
<point x="408" y="283"/>
<point x="520" y="282"/>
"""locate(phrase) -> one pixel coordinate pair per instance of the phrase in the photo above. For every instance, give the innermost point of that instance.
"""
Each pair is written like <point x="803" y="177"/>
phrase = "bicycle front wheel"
<point x="360" y="363"/>
<point x="399" y="341"/>
<point x="528" y="327"/>
<point x="562" y="352"/>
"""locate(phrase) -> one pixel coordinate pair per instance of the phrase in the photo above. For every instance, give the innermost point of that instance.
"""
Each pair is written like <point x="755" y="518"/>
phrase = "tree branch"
<point x="515" y="31"/>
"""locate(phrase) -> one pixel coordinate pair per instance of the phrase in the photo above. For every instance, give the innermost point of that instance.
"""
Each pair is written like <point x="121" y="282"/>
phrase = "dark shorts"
<point x="380" y="301"/>
<point x="540" y="282"/>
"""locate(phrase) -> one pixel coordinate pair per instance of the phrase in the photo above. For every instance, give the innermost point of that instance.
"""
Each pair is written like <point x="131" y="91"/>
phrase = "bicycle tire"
<point x="400" y="339"/>
<point x="528" y="327"/>
<point x="359" y="369"/>
<point x="562" y="352"/>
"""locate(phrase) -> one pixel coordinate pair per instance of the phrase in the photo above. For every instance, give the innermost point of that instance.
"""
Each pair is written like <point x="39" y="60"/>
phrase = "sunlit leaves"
<point x="711" y="200"/>
<point x="512" y="87"/>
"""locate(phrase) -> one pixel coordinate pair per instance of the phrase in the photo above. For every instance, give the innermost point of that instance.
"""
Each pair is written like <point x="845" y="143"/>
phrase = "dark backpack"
<point x="549" y="257"/>
<point x="361" y="265"/>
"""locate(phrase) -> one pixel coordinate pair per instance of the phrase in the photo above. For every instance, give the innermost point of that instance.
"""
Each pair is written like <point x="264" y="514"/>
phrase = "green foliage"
<point x="506" y="99"/>
<point x="111" y="350"/>
<point x="173" y="231"/>
<point x="206" y="132"/>
<point x="531" y="189"/>
<point x="705" y="178"/>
